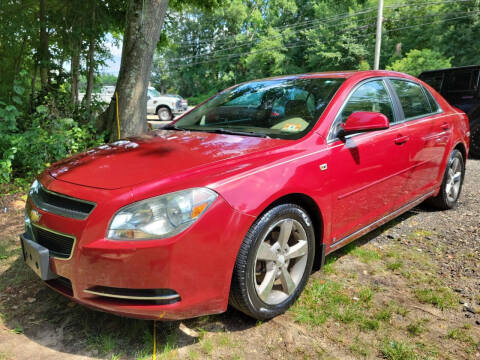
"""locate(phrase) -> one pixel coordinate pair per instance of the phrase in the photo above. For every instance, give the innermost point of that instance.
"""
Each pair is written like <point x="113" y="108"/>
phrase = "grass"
<point x="417" y="327"/>
<point x="397" y="350"/>
<point x="365" y="255"/>
<point x="442" y="298"/>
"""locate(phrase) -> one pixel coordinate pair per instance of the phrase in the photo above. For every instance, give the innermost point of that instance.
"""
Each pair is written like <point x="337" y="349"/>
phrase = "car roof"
<point x="340" y="74"/>
<point x="468" y="67"/>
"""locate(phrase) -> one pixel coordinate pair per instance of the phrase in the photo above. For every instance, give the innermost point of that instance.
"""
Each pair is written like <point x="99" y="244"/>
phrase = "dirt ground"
<point x="409" y="290"/>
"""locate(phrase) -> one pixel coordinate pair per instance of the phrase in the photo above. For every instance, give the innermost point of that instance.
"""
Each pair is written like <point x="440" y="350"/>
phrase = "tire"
<point x="475" y="141"/>
<point x="452" y="183"/>
<point x="164" y="114"/>
<point x="249" y="291"/>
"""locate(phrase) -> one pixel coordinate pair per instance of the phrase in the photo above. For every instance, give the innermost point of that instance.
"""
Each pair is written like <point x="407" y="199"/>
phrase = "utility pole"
<point x="378" y="41"/>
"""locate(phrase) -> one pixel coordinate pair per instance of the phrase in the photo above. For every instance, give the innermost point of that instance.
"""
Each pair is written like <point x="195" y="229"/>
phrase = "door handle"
<point x="445" y="126"/>
<point x="399" y="140"/>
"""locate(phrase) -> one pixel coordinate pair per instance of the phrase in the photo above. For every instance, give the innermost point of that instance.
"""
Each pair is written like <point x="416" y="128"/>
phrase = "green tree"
<point x="417" y="61"/>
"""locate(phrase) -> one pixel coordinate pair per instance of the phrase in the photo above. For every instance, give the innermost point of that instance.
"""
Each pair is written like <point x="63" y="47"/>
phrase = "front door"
<point x="369" y="168"/>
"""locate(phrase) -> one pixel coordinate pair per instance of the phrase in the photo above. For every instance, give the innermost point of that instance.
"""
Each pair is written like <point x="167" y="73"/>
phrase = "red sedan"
<point x="238" y="199"/>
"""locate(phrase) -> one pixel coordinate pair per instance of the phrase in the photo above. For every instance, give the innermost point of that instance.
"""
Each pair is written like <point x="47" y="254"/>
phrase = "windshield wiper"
<point x="233" y="132"/>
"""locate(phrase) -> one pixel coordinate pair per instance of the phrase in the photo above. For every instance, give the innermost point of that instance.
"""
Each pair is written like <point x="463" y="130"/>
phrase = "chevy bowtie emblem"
<point x="35" y="216"/>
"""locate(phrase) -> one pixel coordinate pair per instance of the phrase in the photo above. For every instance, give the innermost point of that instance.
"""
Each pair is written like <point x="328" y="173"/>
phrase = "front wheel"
<point x="164" y="114"/>
<point x="273" y="263"/>
<point x="452" y="182"/>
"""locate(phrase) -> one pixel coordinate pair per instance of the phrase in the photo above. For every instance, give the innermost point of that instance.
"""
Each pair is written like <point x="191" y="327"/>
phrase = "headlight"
<point x="161" y="216"/>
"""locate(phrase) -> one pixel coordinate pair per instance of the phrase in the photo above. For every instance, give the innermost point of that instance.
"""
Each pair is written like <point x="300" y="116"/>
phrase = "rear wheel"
<point x="452" y="182"/>
<point x="164" y="114"/>
<point x="273" y="263"/>
<point x="475" y="141"/>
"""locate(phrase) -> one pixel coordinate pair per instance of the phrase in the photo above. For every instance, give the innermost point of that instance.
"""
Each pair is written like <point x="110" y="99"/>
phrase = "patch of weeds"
<point x="394" y="265"/>
<point x="225" y="340"/>
<point x="104" y="343"/>
<point x="384" y="314"/>
<point x="17" y="330"/>
<point x="461" y="334"/>
<point x="442" y="298"/>
<point x="329" y="266"/>
<point x="192" y="354"/>
<point x="365" y="255"/>
<point x="419" y="234"/>
<point x="397" y="350"/>
<point x="369" y="324"/>
<point x="207" y="346"/>
<point x="170" y="344"/>
<point x="415" y="328"/>
<point x="323" y="300"/>
<point x="3" y="252"/>
<point x="366" y="295"/>
<point x="359" y="348"/>
<point x="399" y="309"/>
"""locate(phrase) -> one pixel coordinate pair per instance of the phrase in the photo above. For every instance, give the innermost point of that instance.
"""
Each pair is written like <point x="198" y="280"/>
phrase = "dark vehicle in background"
<point x="460" y="87"/>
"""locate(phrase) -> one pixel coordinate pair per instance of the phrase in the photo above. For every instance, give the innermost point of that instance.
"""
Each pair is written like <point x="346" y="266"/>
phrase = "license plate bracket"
<point x="37" y="258"/>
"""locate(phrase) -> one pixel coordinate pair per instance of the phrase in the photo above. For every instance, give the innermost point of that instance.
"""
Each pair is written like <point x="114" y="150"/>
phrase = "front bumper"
<point x="196" y="265"/>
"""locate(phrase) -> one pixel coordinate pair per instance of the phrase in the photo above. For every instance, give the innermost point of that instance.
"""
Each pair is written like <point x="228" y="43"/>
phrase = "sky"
<point x="112" y="66"/>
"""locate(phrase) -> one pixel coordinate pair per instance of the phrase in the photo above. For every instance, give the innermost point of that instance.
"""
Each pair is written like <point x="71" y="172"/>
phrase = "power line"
<point x="334" y="26"/>
<point x="331" y="18"/>
<point x="307" y="43"/>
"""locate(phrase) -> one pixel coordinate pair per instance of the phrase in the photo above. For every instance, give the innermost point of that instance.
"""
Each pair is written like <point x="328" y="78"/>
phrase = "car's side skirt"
<point x="379" y="222"/>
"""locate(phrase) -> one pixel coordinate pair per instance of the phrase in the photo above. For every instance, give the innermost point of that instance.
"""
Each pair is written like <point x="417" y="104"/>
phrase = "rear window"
<point x="460" y="80"/>
<point x="412" y="98"/>
<point x="435" y="80"/>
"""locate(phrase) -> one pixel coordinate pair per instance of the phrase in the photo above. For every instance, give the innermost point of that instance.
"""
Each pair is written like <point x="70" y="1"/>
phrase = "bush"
<point x="417" y="61"/>
<point x="29" y="143"/>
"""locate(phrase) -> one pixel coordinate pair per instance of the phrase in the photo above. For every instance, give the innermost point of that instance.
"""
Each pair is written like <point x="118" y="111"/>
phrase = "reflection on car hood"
<point x="156" y="155"/>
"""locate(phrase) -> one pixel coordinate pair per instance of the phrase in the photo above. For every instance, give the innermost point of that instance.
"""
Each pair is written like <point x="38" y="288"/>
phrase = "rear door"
<point x="368" y="167"/>
<point x="428" y="132"/>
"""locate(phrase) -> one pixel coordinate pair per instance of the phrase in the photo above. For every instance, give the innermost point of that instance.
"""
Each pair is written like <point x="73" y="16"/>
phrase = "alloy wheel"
<point x="454" y="177"/>
<point x="281" y="261"/>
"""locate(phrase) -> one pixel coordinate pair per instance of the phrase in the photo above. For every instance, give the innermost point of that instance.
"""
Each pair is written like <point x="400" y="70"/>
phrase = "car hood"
<point x="156" y="155"/>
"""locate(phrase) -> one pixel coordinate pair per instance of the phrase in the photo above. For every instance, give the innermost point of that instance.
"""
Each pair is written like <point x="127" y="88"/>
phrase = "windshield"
<point x="154" y="93"/>
<point x="278" y="108"/>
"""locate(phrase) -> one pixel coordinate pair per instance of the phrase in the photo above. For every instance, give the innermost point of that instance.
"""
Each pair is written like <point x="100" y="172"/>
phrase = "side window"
<point x="412" y="98"/>
<point x="371" y="96"/>
<point x="431" y="100"/>
<point x="460" y="81"/>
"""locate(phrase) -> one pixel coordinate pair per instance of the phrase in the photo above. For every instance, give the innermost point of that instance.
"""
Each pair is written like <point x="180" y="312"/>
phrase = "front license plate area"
<point x="38" y="258"/>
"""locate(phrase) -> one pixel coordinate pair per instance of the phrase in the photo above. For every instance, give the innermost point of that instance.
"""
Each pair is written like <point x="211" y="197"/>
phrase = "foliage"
<point x="202" y="52"/>
<point x="417" y="61"/>
<point x="31" y="142"/>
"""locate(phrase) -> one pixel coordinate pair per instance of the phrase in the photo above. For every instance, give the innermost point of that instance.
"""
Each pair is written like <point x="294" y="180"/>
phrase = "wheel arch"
<point x="313" y="210"/>
<point x="461" y="147"/>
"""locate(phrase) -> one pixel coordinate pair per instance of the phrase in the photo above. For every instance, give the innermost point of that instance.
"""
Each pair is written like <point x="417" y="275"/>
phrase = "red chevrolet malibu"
<point x="238" y="199"/>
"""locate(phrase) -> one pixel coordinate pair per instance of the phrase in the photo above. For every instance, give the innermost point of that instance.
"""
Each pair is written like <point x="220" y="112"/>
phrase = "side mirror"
<point x="364" y="121"/>
<point x="148" y="97"/>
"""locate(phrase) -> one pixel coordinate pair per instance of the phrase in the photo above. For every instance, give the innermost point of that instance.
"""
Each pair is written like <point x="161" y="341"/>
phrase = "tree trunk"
<point x="91" y="64"/>
<point x="74" y="70"/>
<point x="43" y="46"/>
<point x="142" y="32"/>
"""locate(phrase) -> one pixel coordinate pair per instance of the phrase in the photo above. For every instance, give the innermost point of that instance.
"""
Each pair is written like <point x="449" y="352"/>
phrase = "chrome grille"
<point x="60" y="204"/>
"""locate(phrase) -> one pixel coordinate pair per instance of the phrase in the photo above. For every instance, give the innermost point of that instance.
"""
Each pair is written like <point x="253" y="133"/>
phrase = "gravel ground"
<point x="453" y="238"/>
